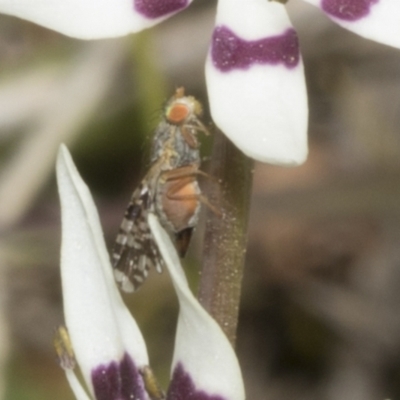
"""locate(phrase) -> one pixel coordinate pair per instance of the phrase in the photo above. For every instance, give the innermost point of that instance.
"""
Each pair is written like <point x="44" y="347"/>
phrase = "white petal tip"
<point x="375" y="20"/>
<point x="255" y="81"/>
<point x="204" y="360"/>
<point x="94" y="19"/>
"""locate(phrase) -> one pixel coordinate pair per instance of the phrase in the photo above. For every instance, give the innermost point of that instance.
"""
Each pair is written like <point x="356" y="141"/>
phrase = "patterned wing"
<point x="135" y="250"/>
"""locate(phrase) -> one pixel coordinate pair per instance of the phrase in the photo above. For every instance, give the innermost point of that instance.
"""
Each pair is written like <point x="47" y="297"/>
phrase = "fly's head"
<point x="184" y="112"/>
<point x="181" y="109"/>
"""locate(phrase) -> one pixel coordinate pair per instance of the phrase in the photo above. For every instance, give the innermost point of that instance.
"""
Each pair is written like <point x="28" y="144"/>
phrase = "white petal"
<point x="378" y="20"/>
<point x="255" y="81"/>
<point x="202" y="350"/>
<point x="75" y="385"/>
<point x="94" y="19"/>
<point x="100" y="326"/>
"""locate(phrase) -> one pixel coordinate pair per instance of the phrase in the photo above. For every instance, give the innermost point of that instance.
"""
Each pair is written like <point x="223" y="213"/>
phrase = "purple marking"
<point x="183" y="388"/>
<point x="229" y="51"/>
<point x="118" y="381"/>
<point x="348" y="10"/>
<point x="158" y="8"/>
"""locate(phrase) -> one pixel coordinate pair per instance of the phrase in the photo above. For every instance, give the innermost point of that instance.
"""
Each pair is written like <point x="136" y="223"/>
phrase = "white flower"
<point x="94" y="19"/>
<point x="254" y="69"/>
<point x="108" y="345"/>
<point x="255" y="75"/>
<point x="255" y="81"/>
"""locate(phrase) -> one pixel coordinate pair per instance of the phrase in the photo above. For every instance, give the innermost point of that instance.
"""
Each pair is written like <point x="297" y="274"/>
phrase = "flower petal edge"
<point x="204" y="359"/>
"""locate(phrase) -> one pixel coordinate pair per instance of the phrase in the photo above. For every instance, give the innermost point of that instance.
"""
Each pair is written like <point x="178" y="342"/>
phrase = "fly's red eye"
<point x="178" y="113"/>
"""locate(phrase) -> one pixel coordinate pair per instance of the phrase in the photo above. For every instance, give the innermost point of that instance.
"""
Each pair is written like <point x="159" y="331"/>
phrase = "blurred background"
<point x="320" y="304"/>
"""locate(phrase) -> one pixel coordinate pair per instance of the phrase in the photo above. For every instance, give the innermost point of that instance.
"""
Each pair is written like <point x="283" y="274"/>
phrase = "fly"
<point x="169" y="189"/>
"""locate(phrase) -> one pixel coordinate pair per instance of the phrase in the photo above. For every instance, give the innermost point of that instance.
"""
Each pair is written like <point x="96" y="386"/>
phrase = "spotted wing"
<point x="135" y="250"/>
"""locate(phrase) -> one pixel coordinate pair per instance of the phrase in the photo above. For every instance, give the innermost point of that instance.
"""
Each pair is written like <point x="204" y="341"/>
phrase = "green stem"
<point x="226" y="236"/>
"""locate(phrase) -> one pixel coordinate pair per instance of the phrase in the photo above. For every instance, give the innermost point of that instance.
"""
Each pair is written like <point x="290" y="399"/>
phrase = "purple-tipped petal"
<point x="102" y="331"/>
<point x="118" y="380"/>
<point x="94" y="19"/>
<point x="159" y="8"/>
<point x="377" y="20"/>
<point x="205" y="366"/>
<point x="183" y="387"/>
<point x="256" y="83"/>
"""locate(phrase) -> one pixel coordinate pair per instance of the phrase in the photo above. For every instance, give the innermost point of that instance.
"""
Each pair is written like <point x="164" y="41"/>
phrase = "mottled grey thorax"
<point x="168" y="136"/>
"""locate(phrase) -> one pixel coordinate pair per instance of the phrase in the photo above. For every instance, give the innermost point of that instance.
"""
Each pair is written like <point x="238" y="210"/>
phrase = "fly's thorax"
<point x="186" y="155"/>
<point x="170" y="145"/>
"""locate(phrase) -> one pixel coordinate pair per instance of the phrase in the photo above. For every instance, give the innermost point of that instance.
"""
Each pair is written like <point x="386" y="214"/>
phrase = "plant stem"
<point x="226" y="236"/>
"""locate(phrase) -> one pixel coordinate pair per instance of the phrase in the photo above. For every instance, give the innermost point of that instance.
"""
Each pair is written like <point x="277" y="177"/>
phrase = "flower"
<point x="108" y="345"/>
<point x="254" y="70"/>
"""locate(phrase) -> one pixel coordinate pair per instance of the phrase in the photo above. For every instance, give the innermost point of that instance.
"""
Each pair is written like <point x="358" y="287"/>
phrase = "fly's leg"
<point x="184" y="176"/>
<point x="190" y="139"/>
<point x="189" y="170"/>
<point x="187" y="129"/>
<point x="181" y="197"/>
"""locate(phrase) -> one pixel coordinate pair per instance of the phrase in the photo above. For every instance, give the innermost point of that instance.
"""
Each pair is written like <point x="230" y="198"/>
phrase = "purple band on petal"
<point x="348" y="10"/>
<point x="183" y="388"/>
<point x="120" y="381"/>
<point x="158" y="8"/>
<point x="229" y="51"/>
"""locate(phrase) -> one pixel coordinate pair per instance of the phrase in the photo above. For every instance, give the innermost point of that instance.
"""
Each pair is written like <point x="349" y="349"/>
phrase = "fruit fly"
<point x="169" y="189"/>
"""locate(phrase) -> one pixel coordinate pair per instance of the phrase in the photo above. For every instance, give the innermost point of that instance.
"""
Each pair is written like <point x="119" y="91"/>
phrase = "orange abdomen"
<point x="180" y="203"/>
